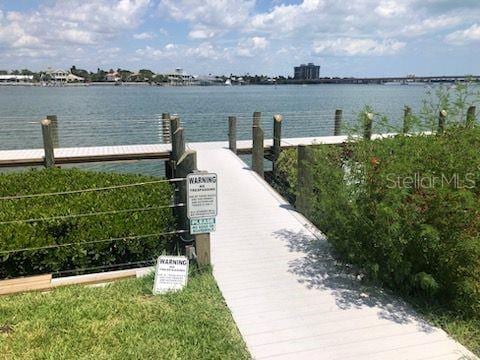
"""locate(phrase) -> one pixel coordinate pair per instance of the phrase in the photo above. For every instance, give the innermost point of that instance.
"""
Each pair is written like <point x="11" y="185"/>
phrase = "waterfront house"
<point x="63" y="76"/>
<point x="113" y="77"/>
<point x="180" y="77"/>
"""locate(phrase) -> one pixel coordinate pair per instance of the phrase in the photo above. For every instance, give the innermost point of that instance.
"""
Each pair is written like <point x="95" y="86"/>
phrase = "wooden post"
<point x="442" y="115"/>
<point x="257" y="116"/>
<point x="166" y="128"/>
<point x="367" y="125"/>
<point x="48" y="143"/>
<point x="303" y="202"/>
<point x="178" y="146"/>
<point x="407" y="119"/>
<point x="174" y="125"/>
<point x="202" y="244"/>
<point x="277" y="141"/>
<point x="471" y="116"/>
<point x="54" y="124"/>
<point x="232" y="133"/>
<point x="257" y="145"/>
<point x="187" y="164"/>
<point x="338" y="122"/>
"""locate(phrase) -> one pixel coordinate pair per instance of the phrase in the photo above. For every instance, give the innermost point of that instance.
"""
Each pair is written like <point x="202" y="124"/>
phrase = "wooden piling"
<point x="442" y="116"/>
<point x="338" y="122"/>
<point x="407" y="119"/>
<point x="471" y="118"/>
<point x="178" y="145"/>
<point x="257" y="116"/>
<point x="166" y="128"/>
<point x="257" y="146"/>
<point x="303" y="201"/>
<point x="174" y="125"/>
<point x="367" y="125"/>
<point x="232" y="133"/>
<point x="277" y="141"/>
<point x="47" y="135"/>
<point x="54" y="125"/>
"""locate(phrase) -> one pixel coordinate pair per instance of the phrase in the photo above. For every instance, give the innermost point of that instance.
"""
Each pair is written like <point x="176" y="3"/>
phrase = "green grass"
<point x="466" y="330"/>
<point x="120" y="321"/>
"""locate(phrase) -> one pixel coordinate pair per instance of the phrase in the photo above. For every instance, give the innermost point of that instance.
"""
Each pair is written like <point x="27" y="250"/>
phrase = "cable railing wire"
<point x="123" y="238"/>
<point x="72" y="216"/>
<point x="17" y="197"/>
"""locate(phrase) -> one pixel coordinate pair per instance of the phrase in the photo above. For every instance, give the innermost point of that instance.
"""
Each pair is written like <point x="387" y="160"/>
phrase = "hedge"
<point x="406" y="210"/>
<point x="78" y="230"/>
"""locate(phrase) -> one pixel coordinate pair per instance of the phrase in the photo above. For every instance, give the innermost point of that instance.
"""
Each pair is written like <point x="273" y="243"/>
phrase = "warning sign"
<point x="202" y="195"/>
<point x="171" y="274"/>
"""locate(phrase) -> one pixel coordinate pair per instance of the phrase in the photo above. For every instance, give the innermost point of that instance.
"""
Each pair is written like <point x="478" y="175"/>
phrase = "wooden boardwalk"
<point x="287" y="296"/>
<point x="73" y="155"/>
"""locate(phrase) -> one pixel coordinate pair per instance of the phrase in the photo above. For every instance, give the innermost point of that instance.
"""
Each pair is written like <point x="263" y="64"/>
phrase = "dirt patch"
<point x="6" y="329"/>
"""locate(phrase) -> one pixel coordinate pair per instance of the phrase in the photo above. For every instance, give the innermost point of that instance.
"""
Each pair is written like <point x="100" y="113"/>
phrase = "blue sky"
<point x="347" y="38"/>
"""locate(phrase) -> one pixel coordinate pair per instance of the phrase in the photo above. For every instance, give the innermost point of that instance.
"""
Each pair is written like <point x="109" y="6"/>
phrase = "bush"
<point x="78" y="230"/>
<point x="405" y="209"/>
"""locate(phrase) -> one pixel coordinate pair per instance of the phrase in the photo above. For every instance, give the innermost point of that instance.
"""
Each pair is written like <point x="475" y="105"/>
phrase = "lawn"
<point x="121" y="321"/>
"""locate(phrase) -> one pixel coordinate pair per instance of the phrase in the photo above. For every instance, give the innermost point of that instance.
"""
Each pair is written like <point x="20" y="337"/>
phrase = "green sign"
<point x="202" y="226"/>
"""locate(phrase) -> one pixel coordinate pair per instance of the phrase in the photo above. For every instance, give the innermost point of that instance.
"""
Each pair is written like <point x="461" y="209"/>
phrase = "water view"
<point x="121" y="115"/>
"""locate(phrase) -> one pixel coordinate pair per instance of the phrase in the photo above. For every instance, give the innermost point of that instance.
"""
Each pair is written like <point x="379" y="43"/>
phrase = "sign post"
<point x="201" y="202"/>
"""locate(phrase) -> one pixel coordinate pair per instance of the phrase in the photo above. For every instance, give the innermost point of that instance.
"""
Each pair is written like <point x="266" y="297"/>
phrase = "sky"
<point x="346" y="37"/>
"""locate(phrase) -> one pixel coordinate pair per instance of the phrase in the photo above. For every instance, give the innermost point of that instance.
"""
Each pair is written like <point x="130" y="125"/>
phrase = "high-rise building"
<point x="306" y="72"/>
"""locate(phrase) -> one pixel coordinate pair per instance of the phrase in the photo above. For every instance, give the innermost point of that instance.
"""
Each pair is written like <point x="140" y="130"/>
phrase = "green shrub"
<point x="421" y="239"/>
<point x="405" y="209"/>
<point x="78" y="230"/>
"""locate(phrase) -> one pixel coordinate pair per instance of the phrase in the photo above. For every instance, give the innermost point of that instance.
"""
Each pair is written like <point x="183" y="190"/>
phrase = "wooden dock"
<point x="76" y="155"/>
<point x="287" y="295"/>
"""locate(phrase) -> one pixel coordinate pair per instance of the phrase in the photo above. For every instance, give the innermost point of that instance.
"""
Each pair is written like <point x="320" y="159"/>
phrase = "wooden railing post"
<point x="166" y="128"/>
<point x="442" y="116"/>
<point x="47" y="135"/>
<point x="185" y="162"/>
<point x="338" y="122"/>
<point x="277" y="141"/>
<point x="471" y="116"/>
<point x="178" y="143"/>
<point x="174" y="125"/>
<point x="54" y="125"/>
<point x="367" y="125"/>
<point x="303" y="201"/>
<point x="407" y="119"/>
<point x="232" y="133"/>
<point x="257" y="146"/>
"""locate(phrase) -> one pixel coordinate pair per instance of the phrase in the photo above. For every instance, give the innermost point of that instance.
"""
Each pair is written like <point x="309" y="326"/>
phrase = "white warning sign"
<point x="201" y="195"/>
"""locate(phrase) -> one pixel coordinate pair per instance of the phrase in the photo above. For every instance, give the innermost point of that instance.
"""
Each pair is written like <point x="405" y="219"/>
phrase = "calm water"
<point x="130" y="115"/>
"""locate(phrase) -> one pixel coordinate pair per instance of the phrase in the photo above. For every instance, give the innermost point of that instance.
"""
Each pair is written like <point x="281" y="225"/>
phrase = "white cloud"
<point x="209" y="18"/>
<point x="62" y="26"/>
<point x="286" y="18"/>
<point x="466" y="36"/>
<point x="251" y="46"/>
<point x="431" y="25"/>
<point x="202" y="33"/>
<point x="144" y="36"/>
<point x="391" y="8"/>
<point x="352" y="47"/>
